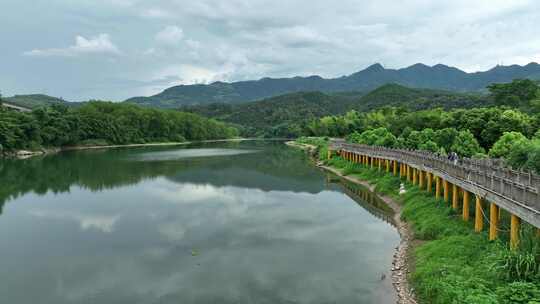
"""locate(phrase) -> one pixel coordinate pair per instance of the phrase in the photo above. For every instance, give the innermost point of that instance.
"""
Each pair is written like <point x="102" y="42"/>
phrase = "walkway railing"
<point x="515" y="191"/>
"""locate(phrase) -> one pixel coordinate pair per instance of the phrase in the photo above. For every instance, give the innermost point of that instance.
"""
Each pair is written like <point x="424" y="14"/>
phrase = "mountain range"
<point x="439" y="77"/>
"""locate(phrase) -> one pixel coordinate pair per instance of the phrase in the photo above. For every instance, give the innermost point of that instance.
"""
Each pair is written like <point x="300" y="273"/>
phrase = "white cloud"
<point x="171" y="35"/>
<point x="208" y="40"/>
<point x="99" y="222"/>
<point x="100" y="44"/>
<point x="156" y="13"/>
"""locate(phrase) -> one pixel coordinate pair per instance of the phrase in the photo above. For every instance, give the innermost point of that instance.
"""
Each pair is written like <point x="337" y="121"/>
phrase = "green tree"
<point x="507" y="143"/>
<point x="517" y="93"/>
<point x="466" y="145"/>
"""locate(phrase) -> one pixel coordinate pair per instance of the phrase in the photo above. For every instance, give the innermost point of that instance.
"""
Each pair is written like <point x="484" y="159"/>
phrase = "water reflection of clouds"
<point x="278" y="214"/>
<point x="188" y="153"/>
<point x="274" y="245"/>
<point x="103" y="223"/>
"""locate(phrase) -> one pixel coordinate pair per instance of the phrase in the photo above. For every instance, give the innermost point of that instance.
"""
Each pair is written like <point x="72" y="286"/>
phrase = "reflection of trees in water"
<point x="368" y="200"/>
<point x="276" y="168"/>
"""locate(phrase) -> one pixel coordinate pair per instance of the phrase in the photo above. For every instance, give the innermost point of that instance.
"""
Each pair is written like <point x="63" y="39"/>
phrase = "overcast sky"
<point x="114" y="49"/>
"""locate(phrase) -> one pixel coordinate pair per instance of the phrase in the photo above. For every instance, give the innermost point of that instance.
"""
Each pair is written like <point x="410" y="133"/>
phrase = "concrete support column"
<point x="455" y="195"/>
<point x="437" y="187"/>
<point x="429" y="182"/>
<point x="493" y="221"/>
<point x="466" y="205"/>
<point x="478" y="215"/>
<point x="446" y="194"/>
<point x="514" y="231"/>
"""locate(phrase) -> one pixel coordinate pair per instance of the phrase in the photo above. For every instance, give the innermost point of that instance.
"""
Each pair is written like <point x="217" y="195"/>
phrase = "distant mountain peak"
<point x="419" y="75"/>
<point x="419" y="65"/>
<point x="375" y="67"/>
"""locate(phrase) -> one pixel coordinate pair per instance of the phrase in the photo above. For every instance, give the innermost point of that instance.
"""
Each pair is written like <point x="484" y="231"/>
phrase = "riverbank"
<point x="403" y="257"/>
<point x="23" y="154"/>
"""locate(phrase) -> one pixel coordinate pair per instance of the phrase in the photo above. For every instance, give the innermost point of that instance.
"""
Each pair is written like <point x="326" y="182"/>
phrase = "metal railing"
<point x="485" y="174"/>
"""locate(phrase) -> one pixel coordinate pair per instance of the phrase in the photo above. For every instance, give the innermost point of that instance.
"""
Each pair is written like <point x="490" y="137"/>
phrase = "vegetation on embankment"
<point x="101" y="124"/>
<point x="509" y="131"/>
<point x="453" y="264"/>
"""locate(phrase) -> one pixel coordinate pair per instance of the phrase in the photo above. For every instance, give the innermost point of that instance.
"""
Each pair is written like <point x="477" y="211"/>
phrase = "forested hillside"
<point x="279" y="116"/>
<point x="416" y="99"/>
<point x="440" y="77"/>
<point x="102" y="123"/>
<point x="33" y="101"/>
<point x="283" y="116"/>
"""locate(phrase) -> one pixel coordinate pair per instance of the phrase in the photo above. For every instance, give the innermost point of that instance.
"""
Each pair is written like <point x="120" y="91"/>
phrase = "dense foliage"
<point x="396" y="95"/>
<point x="103" y="123"/>
<point x="281" y="116"/>
<point x="290" y="115"/>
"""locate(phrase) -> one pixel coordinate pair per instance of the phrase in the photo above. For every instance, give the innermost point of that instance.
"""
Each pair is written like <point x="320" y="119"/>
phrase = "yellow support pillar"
<point x="437" y="187"/>
<point x="455" y="195"/>
<point x="445" y="191"/>
<point x="421" y="179"/>
<point x="514" y="231"/>
<point x="379" y="163"/>
<point x="395" y="167"/>
<point x="372" y="162"/>
<point x="387" y="166"/>
<point x="478" y="215"/>
<point x="429" y="182"/>
<point x="329" y="154"/>
<point x="414" y="176"/>
<point x="466" y="199"/>
<point x="493" y="221"/>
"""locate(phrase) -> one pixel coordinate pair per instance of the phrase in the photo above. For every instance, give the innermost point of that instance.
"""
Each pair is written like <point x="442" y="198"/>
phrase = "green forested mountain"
<point x="282" y="115"/>
<point x="33" y="101"/>
<point x="415" y="99"/>
<point x="279" y="116"/>
<point x="439" y="77"/>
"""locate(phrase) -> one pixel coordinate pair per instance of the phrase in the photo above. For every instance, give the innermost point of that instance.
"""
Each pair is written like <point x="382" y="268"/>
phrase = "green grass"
<point x="453" y="264"/>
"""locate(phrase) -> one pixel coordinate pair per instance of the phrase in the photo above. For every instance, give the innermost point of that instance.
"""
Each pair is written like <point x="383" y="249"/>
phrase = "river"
<point x="248" y="222"/>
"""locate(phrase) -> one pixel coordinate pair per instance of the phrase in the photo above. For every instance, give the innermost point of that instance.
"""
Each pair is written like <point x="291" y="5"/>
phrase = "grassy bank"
<point x="453" y="264"/>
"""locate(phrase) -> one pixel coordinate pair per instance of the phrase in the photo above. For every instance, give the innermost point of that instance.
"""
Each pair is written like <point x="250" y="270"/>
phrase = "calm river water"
<point x="250" y="222"/>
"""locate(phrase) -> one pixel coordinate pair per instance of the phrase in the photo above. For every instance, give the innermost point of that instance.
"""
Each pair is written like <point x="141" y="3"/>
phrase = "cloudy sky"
<point x="114" y="49"/>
